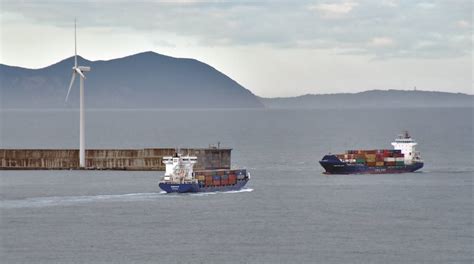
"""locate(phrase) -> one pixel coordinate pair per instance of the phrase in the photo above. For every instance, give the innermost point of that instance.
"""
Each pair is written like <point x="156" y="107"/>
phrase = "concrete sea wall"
<point x="109" y="159"/>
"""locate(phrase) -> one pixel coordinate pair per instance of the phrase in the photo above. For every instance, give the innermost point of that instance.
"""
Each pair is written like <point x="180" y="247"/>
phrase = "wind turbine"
<point x="79" y="70"/>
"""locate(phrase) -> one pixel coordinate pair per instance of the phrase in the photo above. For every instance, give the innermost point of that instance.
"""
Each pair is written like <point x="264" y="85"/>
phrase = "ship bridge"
<point x="179" y="168"/>
<point x="406" y="145"/>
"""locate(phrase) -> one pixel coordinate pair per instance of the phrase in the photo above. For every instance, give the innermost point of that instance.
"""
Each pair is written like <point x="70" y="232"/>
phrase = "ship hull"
<point x="333" y="165"/>
<point x="197" y="187"/>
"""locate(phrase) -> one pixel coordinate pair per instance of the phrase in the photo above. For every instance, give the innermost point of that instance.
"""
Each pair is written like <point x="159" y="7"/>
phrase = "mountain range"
<point x="144" y="80"/>
<point x="373" y="99"/>
<point x="152" y="80"/>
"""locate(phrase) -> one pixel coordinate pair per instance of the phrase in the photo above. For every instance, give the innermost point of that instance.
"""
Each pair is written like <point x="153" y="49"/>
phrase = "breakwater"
<point x="109" y="159"/>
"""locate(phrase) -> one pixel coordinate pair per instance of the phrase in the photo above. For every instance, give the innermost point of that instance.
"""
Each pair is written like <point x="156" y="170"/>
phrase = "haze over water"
<point x="290" y="212"/>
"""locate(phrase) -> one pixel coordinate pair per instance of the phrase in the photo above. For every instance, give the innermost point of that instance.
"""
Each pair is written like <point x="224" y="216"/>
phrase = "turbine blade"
<point x="70" y="86"/>
<point x="75" y="44"/>
<point x="80" y="73"/>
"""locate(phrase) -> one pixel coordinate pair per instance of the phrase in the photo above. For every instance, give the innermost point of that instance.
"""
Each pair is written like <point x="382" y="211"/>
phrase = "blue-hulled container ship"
<point x="402" y="158"/>
<point x="180" y="177"/>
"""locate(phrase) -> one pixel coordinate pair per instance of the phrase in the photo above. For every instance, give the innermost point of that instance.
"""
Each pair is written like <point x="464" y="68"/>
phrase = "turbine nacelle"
<point x="83" y="68"/>
<point x="77" y="70"/>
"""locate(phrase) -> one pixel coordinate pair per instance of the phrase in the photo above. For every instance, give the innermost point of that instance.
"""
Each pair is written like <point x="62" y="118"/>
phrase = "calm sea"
<point x="290" y="212"/>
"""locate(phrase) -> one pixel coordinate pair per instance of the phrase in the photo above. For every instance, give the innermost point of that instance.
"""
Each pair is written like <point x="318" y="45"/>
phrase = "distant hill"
<point x="144" y="80"/>
<point x="373" y="99"/>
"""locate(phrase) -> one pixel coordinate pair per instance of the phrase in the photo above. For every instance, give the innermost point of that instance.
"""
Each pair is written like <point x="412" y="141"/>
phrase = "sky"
<point x="273" y="48"/>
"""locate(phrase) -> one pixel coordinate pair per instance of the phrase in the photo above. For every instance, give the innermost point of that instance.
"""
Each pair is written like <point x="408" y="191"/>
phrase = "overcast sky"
<point x="273" y="48"/>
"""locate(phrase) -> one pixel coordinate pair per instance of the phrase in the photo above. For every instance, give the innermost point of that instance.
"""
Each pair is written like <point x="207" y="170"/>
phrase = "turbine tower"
<point x="79" y="70"/>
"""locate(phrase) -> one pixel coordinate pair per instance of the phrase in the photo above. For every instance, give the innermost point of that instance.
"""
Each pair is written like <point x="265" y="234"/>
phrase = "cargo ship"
<point x="402" y="158"/>
<point x="180" y="177"/>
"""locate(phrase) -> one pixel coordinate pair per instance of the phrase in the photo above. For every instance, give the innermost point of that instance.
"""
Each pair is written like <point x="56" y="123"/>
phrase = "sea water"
<point x="290" y="211"/>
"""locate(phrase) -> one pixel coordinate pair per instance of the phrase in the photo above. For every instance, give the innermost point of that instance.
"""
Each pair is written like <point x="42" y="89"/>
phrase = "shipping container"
<point x="208" y="180"/>
<point x="232" y="179"/>
<point x="379" y="163"/>
<point x="371" y="163"/>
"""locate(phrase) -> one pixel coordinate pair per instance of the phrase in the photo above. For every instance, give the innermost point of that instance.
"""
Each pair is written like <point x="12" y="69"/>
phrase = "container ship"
<point x="180" y="177"/>
<point x="402" y="158"/>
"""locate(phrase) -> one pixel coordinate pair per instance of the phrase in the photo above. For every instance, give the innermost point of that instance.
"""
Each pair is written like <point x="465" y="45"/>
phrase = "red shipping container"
<point x="216" y="182"/>
<point x="208" y="180"/>
<point x="232" y="179"/>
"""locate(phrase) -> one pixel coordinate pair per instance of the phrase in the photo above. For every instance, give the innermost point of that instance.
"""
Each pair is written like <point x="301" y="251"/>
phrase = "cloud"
<point x="365" y="27"/>
<point x="335" y="10"/>
<point x="391" y="3"/>
<point x="463" y="24"/>
<point x="381" y="42"/>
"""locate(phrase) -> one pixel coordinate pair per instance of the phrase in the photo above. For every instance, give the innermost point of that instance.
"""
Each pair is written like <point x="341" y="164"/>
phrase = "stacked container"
<point x="208" y="181"/>
<point x="225" y="179"/>
<point x="372" y="158"/>
<point x="220" y="177"/>
<point x="232" y="179"/>
<point x="216" y="180"/>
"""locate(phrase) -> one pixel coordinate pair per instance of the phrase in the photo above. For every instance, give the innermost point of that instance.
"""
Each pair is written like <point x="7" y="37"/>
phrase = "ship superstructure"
<point x="406" y="145"/>
<point x="179" y="168"/>
<point x="402" y="158"/>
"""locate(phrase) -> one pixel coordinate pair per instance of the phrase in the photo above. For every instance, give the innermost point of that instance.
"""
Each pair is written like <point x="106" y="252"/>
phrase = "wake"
<point x="38" y="202"/>
<point x="245" y="190"/>
<point x="449" y="170"/>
